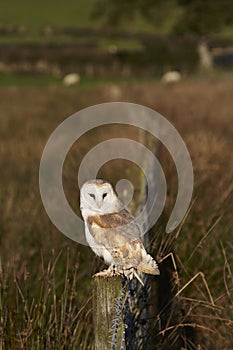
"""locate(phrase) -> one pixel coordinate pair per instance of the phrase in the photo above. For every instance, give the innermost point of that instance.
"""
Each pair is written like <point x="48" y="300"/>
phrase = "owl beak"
<point x="99" y="203"/>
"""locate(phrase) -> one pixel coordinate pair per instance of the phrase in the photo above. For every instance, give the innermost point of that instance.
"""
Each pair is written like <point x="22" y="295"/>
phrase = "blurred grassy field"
<point x="14" y="80"/>
<point x="36" y="15"/>
<point x="79" y="14"/>
<point x="75" y="14"/>
<point x="45" y="279"/>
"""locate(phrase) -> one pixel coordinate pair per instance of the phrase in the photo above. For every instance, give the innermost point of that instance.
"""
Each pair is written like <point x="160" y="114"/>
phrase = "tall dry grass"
<point x="45" y="278"/>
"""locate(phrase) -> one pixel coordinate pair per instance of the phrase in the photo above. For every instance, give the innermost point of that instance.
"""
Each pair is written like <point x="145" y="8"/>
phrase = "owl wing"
<point x="120" y="235"/>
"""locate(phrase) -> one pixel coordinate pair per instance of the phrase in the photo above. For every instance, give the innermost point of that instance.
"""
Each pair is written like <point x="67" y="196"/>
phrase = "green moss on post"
<point x="106" y="293"/>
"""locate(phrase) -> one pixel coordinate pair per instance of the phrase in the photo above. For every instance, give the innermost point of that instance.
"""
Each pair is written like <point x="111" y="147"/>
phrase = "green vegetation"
<point x="17" y="80"/>
<point x="36" y="15"/>
<point x="175" y="16"/>
<point x="148" y="16"/>
<point x="33" y="80"/>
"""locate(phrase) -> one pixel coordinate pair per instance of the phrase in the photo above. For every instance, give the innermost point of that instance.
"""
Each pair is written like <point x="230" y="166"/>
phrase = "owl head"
<point x="98" y="197"/>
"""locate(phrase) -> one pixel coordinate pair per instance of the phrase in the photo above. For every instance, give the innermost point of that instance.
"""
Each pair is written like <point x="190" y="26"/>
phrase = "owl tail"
<point x="148" y="265"/>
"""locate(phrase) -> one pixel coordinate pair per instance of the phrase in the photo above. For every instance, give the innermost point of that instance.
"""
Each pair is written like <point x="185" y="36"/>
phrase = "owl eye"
<point x="92" y="195"/>
<point x="104" y="195"/>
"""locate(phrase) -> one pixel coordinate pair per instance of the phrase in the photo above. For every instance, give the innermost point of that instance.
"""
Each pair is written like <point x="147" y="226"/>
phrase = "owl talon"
<point x="110" y="272"/>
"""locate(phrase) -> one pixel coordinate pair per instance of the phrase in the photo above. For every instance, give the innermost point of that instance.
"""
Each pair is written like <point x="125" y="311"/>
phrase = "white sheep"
<point x="171" y="77"/>
<point x="71" y="79"/>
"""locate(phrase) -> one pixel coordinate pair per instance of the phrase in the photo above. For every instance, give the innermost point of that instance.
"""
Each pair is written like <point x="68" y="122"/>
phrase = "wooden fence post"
<point x="106" y="293"/>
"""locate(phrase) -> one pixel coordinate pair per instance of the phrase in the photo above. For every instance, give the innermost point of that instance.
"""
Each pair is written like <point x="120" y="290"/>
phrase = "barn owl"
<point x="112" y="233"/>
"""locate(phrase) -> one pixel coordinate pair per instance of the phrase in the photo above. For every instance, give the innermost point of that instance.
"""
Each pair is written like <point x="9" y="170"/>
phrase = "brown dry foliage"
<point x="201" y="112"/>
